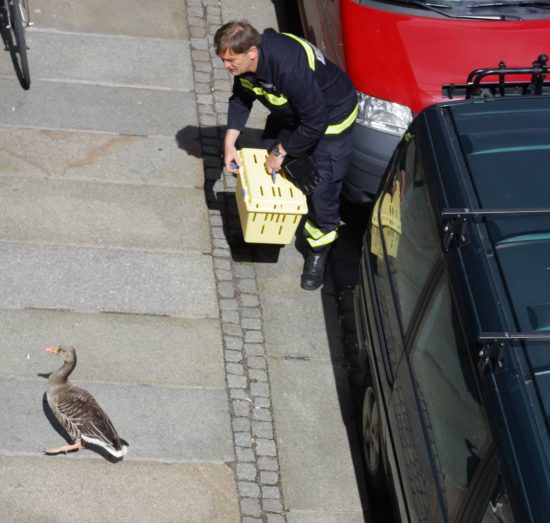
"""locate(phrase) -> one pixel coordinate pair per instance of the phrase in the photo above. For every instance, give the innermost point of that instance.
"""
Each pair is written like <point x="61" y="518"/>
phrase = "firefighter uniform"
<point x="313" y="106"/>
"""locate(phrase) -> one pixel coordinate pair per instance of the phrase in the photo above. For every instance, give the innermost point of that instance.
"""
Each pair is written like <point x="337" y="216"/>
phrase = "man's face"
<point x="240" y="63"/>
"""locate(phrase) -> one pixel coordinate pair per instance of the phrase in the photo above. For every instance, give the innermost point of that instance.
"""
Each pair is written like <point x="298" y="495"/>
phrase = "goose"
<point x="78" y="411"/>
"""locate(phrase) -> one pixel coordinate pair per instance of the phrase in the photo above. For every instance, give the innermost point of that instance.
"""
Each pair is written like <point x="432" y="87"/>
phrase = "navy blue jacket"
<point x="310" y="94"/>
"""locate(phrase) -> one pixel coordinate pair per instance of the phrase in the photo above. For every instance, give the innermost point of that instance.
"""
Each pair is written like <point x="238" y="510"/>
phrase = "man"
<point x="313" y="107"/>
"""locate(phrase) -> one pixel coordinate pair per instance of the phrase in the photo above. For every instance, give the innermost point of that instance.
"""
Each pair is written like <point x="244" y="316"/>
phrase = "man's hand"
<point x="275" y="159"/>
<point x="231" y="160"/>
<point x="230" y="153"/>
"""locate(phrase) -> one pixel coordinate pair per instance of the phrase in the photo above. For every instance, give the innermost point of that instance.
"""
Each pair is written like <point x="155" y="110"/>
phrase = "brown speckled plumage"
<point x="78" y="411"/>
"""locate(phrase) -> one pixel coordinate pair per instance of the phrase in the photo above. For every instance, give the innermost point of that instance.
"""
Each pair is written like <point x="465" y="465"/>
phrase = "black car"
<point x="453" y="314"/>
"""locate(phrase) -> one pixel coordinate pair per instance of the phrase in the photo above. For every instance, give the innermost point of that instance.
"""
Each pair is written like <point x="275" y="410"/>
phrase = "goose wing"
<point x="79" y="410"/>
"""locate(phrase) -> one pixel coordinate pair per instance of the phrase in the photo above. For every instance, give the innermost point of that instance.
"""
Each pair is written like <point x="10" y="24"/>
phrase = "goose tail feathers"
<point x="118" y="450"/>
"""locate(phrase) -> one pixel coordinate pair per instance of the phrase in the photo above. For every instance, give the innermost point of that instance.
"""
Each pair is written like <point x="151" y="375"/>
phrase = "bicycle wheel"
<point x="18" y="48"/>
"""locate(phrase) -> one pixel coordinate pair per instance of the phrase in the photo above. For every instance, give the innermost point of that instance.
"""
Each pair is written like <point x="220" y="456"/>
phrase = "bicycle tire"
<point x="18" y="49"/>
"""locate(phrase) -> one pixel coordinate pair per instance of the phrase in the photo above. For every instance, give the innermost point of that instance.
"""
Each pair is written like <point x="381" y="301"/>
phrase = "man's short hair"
<point x="237" y="37"/>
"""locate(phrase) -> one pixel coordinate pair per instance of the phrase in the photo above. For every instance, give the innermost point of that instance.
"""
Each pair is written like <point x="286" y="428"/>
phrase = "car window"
<point x="499" y="509"/>
<point x="453" y="416"/>
<point x="412" y="247"/>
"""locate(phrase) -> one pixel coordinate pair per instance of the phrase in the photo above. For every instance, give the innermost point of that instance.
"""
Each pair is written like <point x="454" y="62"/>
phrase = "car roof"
<point x="506" y="146"/>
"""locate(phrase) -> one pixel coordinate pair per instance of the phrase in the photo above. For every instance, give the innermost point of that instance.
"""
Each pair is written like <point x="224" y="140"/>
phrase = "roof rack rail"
<point x="513" y="336"/>
<point x="474" y="87"/>
<point x="493" y="342"/>
<point x="466" y="213"/>
<point x="454" y="218"/>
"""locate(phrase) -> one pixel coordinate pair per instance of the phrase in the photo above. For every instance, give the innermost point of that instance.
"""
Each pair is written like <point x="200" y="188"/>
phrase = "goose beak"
<point x="53" y="350"/>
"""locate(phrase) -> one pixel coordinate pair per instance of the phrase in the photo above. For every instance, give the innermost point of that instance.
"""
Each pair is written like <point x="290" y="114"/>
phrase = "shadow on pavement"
<point x="224" y="201"/>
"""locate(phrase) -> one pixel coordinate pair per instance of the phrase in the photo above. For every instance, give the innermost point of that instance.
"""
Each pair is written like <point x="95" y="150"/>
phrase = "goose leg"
<point x="67" y="448"/>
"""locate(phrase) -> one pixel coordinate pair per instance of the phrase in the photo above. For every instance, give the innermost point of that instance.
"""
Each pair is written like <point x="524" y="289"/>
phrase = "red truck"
<point x="400" y="53"/>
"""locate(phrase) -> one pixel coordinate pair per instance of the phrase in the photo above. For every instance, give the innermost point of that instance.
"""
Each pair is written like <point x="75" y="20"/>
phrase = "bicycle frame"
<point x="25" y="13"/>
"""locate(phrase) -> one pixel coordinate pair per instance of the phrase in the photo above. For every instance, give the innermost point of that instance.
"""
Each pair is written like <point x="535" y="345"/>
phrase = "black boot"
<point x="314" y="270"/>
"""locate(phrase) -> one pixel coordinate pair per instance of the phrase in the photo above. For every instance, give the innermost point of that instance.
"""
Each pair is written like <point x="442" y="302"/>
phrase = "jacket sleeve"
<point x="306" y="99"/>
<point x="240" y="105"/>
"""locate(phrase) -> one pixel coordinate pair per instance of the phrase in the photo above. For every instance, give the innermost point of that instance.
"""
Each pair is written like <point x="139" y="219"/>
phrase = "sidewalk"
<point x="114" y="239"/>
<point x="306" y="365"/>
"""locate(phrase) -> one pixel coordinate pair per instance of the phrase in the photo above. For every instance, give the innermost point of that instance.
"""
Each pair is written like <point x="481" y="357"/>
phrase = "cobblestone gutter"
<point x="257" y="465"/>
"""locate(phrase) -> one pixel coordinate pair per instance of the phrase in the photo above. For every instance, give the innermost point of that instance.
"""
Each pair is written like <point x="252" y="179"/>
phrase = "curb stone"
<point x="257" y="472"/>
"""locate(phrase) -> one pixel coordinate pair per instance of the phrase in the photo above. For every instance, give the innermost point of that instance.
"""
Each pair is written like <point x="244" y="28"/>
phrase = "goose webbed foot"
<point x="66" y="448"/>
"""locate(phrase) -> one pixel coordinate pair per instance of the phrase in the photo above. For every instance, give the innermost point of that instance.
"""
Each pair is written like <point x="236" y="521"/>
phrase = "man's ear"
<point x="253" y="53"/>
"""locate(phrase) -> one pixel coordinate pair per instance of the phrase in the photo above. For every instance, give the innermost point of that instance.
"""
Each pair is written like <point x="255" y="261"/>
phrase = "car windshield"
<point x="482" y="9"/>
<point x="476" y="4"/>
<point x="499" y="3"/>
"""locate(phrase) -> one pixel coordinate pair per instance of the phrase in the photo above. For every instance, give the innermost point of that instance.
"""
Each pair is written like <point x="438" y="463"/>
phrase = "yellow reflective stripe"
<point x="327" y="238"/>
<point x="316" y="237"/>
<point x="275" y="100"/>
<point x="313" y="231"/>
<point x="246" y="83"/>
<point x="271" y="98"/>
<point x="338" y="128"/>
<point x="307" y="47"/>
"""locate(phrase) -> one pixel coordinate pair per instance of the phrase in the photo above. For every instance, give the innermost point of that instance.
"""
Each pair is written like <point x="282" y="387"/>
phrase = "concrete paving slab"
<point x="256" y="120"/>
<point x="162" y="19"/>
<point x="159" y="423"/>
<point x="260" y="14"/>
<point x="49" y="210"/>
<point x="304" y="393"/>
<point x="113" y="280"/>
<point x="61" y="105"/>
<point x="117" y="348"/>
<point x="323" y="517"/>
<point x="42" y="490"/>
<point x="151" y="160"/>
<point x="108" y="60"/>
<point x="285" y="303"/>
